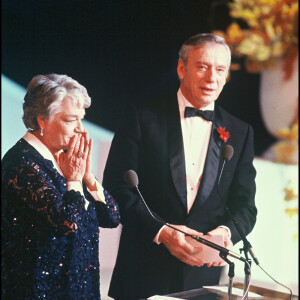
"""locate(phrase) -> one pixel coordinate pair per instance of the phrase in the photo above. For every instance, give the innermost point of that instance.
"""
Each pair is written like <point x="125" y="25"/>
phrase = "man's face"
<point x="204" y="74"/>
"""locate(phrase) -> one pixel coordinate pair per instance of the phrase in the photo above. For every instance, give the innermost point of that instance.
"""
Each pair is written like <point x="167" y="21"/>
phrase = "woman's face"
<point x="63" y="126"/>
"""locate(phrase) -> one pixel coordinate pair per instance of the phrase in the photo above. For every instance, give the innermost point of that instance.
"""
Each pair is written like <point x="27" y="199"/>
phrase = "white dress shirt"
<point x="196" y="134"/>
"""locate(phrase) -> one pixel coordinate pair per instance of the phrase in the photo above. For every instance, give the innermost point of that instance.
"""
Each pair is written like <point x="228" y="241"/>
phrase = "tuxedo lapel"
<point x="176" y="150"/>
<point x="212" y="161"/>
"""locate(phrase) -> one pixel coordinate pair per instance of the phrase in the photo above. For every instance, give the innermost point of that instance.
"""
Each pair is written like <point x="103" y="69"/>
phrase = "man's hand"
<point x="178" y="246"/>
<point x="227" y="242"/>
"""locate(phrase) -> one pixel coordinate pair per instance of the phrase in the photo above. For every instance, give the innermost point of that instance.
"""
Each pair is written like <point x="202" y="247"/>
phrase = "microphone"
<point x="227" y="152"/>
<point x="131" y="178"/>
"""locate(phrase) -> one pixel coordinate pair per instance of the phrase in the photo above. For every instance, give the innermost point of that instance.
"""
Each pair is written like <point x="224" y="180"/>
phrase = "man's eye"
<point x="201" y="68"/>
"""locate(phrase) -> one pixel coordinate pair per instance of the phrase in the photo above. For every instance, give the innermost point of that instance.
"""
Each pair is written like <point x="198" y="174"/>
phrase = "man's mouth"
<point x="207" y="90"/>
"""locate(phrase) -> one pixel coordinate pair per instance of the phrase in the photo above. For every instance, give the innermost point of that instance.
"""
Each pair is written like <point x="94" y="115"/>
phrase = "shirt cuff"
<point x="98" y="195"/>
<point x="227" y="229"/>
<point x="156" y="239"/>
<point x="76" y="186"/>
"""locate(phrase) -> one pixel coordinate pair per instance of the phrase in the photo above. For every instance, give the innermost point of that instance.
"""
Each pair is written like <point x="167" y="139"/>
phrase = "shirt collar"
<point x="183" y="103"/>
<point x="41" y="148"/>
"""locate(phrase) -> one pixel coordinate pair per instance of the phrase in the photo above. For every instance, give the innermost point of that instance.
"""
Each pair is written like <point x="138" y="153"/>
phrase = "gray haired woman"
<point x="52" y="204"/>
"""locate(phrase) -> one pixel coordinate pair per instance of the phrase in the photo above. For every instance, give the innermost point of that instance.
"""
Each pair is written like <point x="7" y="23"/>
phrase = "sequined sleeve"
<point x="35" y="190"/>
<point x="108" y="214"/>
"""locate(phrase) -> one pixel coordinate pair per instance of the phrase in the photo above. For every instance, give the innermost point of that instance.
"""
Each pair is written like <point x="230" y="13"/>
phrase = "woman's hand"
<point x="73" y="162"/>
<point x="88" y="177"/>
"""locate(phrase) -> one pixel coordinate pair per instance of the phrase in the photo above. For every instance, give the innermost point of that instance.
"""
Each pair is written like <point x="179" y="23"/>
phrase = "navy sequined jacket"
<point x="49" y="240"/>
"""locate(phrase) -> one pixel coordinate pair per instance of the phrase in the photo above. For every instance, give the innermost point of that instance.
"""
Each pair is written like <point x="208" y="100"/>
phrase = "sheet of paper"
<point x="234" y="291"/>
<point x="208" y="254"/>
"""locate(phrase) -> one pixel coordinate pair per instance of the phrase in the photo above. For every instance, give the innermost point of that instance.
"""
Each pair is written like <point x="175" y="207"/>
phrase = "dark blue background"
<point x="119" y="50"/>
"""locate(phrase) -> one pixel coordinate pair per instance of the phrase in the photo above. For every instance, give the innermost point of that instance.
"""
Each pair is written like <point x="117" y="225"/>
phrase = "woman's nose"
<point x="80" y="127"/>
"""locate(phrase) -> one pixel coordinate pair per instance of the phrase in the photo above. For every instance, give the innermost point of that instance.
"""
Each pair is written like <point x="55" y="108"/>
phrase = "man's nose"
<point x="211" y="75"/>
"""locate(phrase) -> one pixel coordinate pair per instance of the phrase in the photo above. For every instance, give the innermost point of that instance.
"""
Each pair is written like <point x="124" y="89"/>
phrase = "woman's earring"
<point x="42" y="132"/>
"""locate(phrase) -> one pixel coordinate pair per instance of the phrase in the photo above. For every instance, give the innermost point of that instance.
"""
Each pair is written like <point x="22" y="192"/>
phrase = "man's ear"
<point x="228" y="76"/>
<point x="180" y="69"/>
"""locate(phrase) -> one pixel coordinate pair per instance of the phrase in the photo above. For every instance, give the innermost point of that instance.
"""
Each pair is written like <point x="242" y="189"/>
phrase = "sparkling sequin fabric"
<point x="49" y="240"/>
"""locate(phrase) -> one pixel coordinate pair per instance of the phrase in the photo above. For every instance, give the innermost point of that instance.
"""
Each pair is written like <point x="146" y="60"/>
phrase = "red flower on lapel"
<point x="224" y="135"/>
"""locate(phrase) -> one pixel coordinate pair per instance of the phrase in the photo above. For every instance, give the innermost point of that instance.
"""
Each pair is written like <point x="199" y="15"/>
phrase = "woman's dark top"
<point x="49" y="240"/>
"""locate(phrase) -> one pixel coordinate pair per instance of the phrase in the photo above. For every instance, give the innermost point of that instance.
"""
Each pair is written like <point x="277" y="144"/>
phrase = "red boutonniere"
<point x="224" y="135"/>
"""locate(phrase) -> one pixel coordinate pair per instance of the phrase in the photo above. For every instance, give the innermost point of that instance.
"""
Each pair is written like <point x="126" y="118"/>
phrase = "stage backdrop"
<point x="274" y="239"/>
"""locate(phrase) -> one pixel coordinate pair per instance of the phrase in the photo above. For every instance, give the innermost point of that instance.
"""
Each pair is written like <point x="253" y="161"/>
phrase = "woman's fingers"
<point x="90" y="145"/>
<point x="72" y="145"/>
<point x="73" y="149"/>
<point x="61" y="158"/>
<point x="77" y="145"/>
<point x="82" y="147"/>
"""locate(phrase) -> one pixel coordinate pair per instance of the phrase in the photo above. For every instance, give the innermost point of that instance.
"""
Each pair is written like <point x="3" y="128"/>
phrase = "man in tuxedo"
<point x="176" y="152"/>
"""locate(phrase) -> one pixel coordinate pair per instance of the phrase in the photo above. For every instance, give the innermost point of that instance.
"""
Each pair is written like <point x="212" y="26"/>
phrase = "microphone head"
<point x="131" y="178"/>
<point x="227" y="152"/>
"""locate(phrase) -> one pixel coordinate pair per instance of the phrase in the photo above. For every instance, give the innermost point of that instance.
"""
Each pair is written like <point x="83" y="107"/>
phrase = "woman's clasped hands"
<point x="75" y="163"/>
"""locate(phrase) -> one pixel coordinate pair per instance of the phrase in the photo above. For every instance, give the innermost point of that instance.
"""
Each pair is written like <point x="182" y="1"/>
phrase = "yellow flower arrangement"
<point x="287" y="148"/>
<point x="272" y="33"/>
<point x="269" y="34"/>
<point x="292" y="210"/>
<point x="290" y="194"/>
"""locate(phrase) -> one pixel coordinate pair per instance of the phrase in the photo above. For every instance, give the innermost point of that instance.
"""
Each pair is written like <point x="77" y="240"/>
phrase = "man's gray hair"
<point x="45" y="94"/>
<point x="199" y="40"/>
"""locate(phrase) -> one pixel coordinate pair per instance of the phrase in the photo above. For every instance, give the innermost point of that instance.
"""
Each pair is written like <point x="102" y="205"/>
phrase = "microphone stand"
<point x="226" y="155"/>
<point x="247" y="272"/>
<point x="246" y="248"/>
<point x="230" y="273"/>
<point x="223" y="254"/>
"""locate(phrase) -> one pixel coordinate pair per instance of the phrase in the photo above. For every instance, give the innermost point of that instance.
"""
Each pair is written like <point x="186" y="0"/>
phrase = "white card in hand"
<point x="208" y="254"/>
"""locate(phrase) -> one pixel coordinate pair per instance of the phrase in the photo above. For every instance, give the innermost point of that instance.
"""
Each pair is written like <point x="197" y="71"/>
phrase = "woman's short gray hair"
<point x="45" y="94"/>
<point x="199" y="40"/>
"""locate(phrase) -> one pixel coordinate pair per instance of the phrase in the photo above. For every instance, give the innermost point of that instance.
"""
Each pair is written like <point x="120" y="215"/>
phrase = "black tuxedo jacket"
<point x="150" y="143"/>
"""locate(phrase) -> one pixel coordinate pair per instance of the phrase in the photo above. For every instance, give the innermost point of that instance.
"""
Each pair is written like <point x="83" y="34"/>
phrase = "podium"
<point x="205" y="294"/>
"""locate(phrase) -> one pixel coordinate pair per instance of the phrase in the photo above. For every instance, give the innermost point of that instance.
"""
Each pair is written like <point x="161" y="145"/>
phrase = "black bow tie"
<point x="208" y="115"/>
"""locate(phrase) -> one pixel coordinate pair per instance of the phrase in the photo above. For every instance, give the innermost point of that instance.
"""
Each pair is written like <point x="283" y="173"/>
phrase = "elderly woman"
<point x="52" y="205"/>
